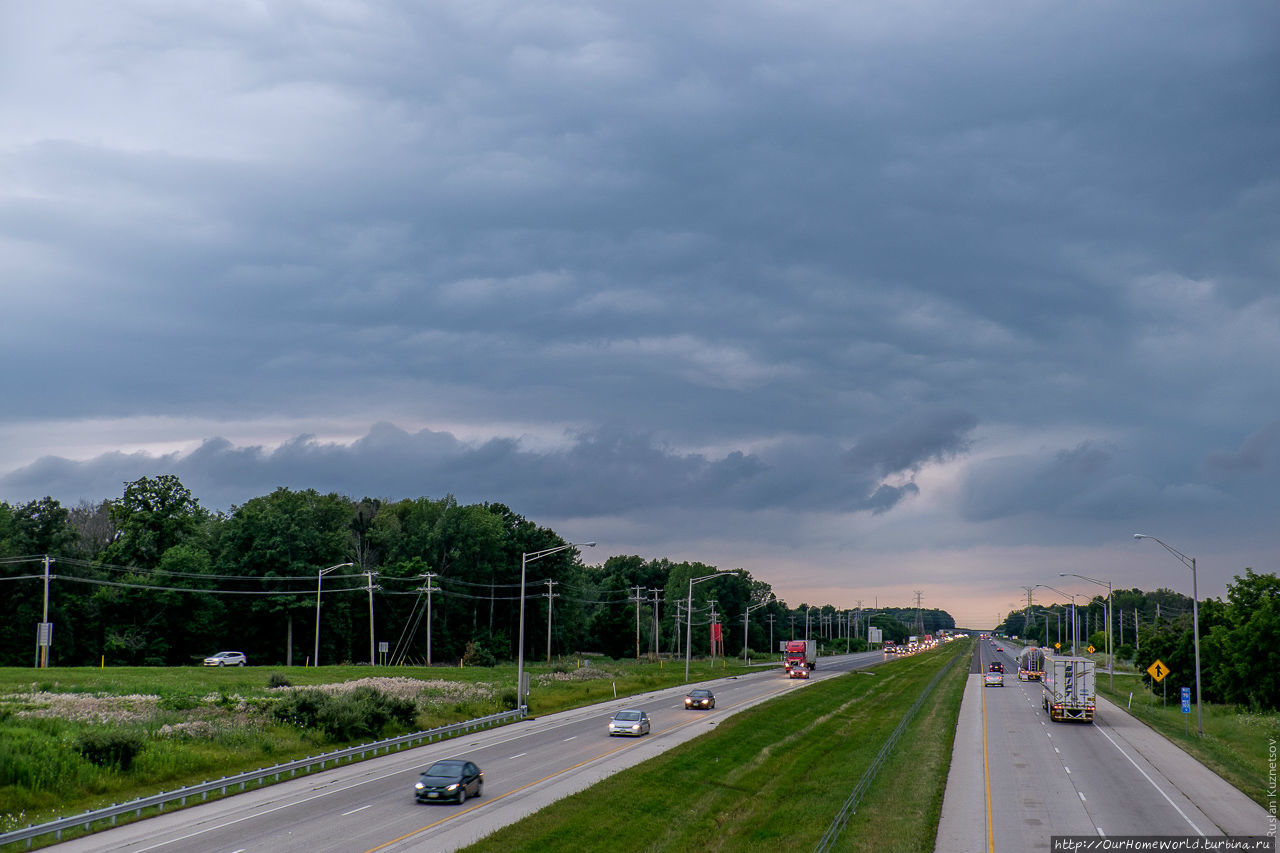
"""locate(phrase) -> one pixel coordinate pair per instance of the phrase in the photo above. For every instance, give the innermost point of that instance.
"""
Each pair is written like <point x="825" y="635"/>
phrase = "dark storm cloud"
<point x="747" y="257"/>
<point x="609" y="471"/>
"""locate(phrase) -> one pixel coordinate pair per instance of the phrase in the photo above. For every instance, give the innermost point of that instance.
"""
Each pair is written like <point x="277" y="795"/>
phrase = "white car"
<point x="226" y="659"/>
<point x="629" y="722"/>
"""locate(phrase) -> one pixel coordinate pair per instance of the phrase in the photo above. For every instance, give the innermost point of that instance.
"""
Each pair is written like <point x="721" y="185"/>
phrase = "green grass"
<point x="1235" y="742"/>
<point x="774" y="776"/>
<point x="34" y="751"/>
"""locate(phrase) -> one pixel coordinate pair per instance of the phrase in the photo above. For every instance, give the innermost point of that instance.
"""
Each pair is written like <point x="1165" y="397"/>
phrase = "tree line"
<point x="1239" y="637"/>
<point x="154" y="578"/>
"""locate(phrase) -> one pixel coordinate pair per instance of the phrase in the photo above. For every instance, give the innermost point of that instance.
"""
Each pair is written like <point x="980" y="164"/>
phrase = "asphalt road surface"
<point x="369" y="806"/>
<point x="1017" y="778"/>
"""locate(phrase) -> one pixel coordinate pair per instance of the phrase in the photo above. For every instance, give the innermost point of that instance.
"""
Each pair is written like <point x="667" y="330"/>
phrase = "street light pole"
<point x="745" y="631"/>
<point x="525" y="559"/>
<point x="322" y="573"/>
<point x="1072" y="596"/>
<point x="688" y="624"/>
<point x="1189" y="562"/>
<point x="1111" y="661"/>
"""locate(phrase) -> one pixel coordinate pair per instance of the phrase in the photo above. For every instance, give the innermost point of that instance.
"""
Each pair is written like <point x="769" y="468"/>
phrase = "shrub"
<point x="278" y="679"/>
<point x="1125" y="652"/>
<point x="507" y="699"/>
<point x="301" y="708"/>
<point x="478" y="655"/>
<point x="364" y="712"/>
<point x="179" y="702"/>
<point x="107" y="747"/>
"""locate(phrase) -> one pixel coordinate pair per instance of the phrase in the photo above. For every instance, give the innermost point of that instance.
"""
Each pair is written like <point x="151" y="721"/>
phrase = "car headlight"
<point x="419" y="786"/>
<point x="452" y="787"/>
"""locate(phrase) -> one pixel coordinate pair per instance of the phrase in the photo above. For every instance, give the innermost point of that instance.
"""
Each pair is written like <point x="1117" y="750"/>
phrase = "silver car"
<point x="630" y="722"/>
<point x="226" y="659"/>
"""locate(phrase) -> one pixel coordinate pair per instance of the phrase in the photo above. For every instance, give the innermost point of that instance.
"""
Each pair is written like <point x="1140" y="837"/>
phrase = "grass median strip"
<point x="775" y="775"/>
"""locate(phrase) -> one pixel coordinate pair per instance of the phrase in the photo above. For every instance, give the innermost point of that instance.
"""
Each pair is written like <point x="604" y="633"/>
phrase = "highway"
<point x="369" y="806"/>
<point x="1017" y="778"/>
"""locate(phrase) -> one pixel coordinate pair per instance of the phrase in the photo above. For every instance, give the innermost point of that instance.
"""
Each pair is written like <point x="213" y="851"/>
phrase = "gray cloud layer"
<point x="742" y="258"/>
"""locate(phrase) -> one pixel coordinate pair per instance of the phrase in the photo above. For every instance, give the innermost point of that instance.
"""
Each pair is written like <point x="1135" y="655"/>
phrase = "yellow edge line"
<point x="986" y="772"/>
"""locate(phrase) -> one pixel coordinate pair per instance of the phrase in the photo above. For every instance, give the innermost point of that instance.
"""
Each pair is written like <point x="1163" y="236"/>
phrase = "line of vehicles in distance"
<point x="457" y="779"/>
<point x="1067" y="683"/>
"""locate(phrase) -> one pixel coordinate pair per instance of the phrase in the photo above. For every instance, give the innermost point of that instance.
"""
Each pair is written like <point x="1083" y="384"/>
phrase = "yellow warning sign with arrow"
<point x="1158" y="670"/>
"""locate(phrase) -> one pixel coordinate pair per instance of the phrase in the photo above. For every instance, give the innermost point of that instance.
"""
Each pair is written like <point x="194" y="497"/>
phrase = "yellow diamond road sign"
<point x="1158" y="670"/>
<point x="1057" y="646"/>
<point x="1092" y="650"/>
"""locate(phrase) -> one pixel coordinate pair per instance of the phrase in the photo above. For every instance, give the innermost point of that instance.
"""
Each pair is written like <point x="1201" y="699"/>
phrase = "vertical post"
<point x="1111" y="661"/>
<point x="550" y="595"/>
<point x="315" y="659"/>
<point x="430" y="589"/>
<point x="44" y="646"/>
<point x="1195" y="628"/>
<point x="688" y="630"/>
<point x="520" y="647"/>
<point x="369" y="576"/>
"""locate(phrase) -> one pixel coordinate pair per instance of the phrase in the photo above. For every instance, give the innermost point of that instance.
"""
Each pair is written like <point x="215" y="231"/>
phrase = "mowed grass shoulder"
<point x="197" y="723"/>
<point x="774" y="776"/>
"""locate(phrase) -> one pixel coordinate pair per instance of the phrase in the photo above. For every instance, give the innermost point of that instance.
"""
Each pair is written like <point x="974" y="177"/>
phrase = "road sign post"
<point x="1186" y="709"/>
<point x="1158" y="671"/>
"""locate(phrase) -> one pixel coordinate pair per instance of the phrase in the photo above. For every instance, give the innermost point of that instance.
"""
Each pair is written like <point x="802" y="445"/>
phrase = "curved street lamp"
<point x="747" y="613"/>
<point x="688" y="616"/>
<point x="1072" y="596"/>
<point x="1111" y="661"/>
<point x="322" y="573"/>
<point x="525" y="559"/>
<point x="1190" y="563"/>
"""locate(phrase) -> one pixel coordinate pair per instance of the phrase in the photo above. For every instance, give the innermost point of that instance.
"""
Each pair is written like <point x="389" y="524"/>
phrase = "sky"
<point x="867" y="298"/>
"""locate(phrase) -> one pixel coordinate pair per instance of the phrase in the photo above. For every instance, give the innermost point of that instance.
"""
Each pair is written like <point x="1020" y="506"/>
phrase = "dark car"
<point x="700" y="700"/>
<point x="996" y="667"/>
<point x="452" y="779"/>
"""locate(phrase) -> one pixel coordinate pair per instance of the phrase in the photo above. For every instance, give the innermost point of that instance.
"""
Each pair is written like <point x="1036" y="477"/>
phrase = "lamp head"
<point x="1140" y="536"/>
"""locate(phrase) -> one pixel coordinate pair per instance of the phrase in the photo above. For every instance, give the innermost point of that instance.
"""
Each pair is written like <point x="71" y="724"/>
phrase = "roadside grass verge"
<point x="202" y="723"/>
<point x="1236" y="743"/>
<point x="774" y="776"/>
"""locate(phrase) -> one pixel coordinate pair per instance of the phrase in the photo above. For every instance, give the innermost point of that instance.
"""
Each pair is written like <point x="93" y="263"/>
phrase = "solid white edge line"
<point x="1190" y="823"/>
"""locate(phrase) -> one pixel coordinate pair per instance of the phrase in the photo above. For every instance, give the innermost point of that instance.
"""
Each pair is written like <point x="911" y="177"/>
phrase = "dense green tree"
<point x="153" y="515"/>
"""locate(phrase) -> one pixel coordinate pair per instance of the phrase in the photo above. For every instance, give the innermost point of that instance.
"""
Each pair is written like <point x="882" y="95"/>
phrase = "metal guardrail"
<point x="159" y="801"/>
<point x="850" y="806"/>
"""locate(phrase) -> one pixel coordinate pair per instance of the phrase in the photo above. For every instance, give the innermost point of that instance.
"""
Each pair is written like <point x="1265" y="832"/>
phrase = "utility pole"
<point x="656" y="601"/>
<point x="792" y="617"/>
<point x="919" y="618"/>
<point x="550" y="593"/>
<point x="636" y="598"/>
<point x="369" y="574"/>
<point x="1026" y="613"/>
<point x="429" y="590"/>
<point x="771" y="646"/>
<point x="44" y="634"/>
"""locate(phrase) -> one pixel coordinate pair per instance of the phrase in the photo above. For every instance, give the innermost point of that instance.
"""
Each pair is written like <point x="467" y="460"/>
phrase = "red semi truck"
<point x="800" y="655"/>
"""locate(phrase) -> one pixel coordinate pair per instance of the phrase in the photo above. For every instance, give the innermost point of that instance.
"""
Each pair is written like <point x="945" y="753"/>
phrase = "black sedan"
<point x="452" y="779"/>
<point x="700" y="700"/>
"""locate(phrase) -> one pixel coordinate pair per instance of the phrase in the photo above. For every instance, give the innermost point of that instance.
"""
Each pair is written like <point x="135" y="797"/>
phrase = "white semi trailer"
<point x="1069" y="689"/>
